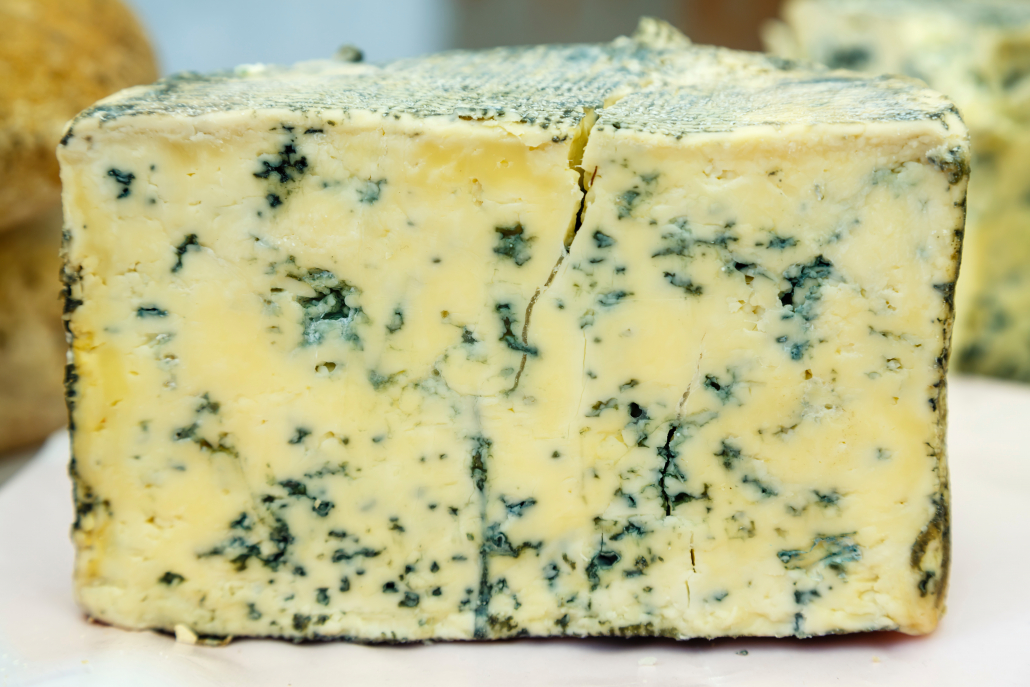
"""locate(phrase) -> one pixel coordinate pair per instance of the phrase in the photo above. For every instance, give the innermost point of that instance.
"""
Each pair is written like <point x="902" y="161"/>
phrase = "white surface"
<point x="984" y="640"/>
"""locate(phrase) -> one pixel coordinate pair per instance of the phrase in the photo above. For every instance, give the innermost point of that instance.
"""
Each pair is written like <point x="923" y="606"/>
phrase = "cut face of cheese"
<point x="979" y="54"/>
<point x="640" y="339"/>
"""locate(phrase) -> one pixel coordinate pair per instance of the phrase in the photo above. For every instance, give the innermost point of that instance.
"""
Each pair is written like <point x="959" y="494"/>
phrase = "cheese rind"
<point x="531" y="360"/>
<point x="976" y="53"/>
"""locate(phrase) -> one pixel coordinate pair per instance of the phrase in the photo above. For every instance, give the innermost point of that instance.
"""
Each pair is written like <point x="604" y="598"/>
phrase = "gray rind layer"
<point x="675" y="90"/>
<point x="709" y="90"/>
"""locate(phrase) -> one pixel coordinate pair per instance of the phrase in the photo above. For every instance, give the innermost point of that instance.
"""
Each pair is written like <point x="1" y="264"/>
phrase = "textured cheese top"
<point x="544" y="85"/>
<point x="672" y="87"/>
<point x="706" y="89"/>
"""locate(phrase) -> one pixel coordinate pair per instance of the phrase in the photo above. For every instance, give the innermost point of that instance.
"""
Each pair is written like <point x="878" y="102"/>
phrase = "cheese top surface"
<point x="399" y="373"/>
<point x="676" y="89"/>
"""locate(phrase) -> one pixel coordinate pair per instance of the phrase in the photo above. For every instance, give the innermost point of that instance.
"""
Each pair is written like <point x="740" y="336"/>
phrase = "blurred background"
<point x="245" y="31"/>
<point x="202" y="35"/>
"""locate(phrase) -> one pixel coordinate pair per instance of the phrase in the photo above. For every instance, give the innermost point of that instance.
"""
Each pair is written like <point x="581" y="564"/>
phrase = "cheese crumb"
<point x="185" y="635"/>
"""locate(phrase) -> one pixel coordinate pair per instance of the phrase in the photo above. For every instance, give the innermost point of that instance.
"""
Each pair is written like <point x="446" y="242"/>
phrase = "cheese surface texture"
<point x="978" y="53"/>
<point x="633" y="339"/>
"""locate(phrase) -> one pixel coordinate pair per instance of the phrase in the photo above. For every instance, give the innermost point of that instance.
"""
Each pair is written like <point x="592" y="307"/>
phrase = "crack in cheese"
<point x="635" y="339"/>
<point x="979" y="54"/>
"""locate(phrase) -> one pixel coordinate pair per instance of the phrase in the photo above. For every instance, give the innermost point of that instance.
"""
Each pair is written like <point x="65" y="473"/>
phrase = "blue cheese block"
<point x="633" y="339"/>
<point x="977" y="53"/>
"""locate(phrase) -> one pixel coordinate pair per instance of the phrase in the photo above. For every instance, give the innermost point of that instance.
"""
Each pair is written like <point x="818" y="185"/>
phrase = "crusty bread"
<point x="32" y="347"/>
<point x="56" y="58"/>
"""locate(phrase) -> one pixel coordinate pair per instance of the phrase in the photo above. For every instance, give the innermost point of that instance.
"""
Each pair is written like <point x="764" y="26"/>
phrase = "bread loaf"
<point x="56" y="58"/>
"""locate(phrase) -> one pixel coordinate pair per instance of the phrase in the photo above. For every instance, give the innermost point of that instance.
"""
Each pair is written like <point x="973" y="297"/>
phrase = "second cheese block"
<point x="640" y="339"/>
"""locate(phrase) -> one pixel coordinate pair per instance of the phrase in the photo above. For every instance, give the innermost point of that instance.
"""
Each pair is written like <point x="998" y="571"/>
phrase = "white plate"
<point x="984" y="640"/>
